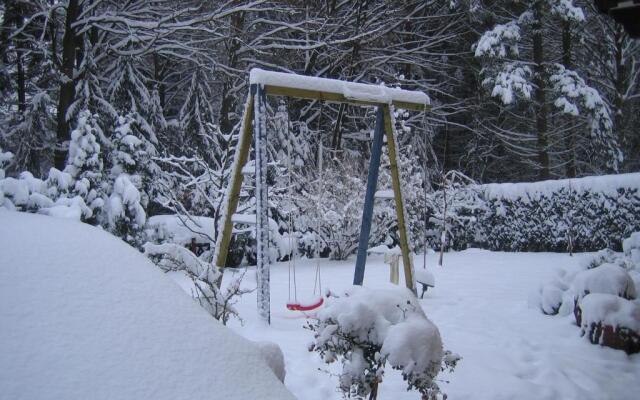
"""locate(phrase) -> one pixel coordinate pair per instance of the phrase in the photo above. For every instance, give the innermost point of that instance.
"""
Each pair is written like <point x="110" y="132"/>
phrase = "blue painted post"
<point x="367" y="211"/>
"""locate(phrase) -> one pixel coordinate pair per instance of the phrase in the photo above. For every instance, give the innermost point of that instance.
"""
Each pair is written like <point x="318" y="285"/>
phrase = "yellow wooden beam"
<point x="332" y="97"/>
<point x="233" y="195"/>
<point x="397" y="191"/>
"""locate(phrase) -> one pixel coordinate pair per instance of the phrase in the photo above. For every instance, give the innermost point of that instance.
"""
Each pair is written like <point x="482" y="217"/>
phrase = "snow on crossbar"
<point x="333" y="90"/>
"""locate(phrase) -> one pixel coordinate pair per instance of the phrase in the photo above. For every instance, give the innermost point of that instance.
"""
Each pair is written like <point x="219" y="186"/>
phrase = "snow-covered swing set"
<point x="263" y="83"/>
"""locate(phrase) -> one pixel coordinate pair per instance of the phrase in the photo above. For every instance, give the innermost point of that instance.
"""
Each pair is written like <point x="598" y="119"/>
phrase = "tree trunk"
<point x="20" y="79"/>
<point x="336" y="140"/>
<point x="67" y="85"/>
<point x="539" y="81"/>
<point x="620" y="72"/>
<point x="228" y="103"/>
<point x="570" y="140"/>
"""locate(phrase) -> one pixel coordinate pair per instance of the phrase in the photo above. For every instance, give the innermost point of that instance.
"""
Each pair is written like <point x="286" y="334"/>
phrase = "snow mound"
<point x="425" y="277"/>
<point x="610" y="310"/>
<point x="607" y="278"/>
<point x="85" y="316"/>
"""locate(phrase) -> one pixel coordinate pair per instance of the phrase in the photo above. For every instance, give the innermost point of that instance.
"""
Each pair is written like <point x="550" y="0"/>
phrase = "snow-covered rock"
<point x="85" y="316"/>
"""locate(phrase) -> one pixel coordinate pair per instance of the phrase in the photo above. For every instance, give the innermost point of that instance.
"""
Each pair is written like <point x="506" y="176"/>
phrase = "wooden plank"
<point x="233" y="195"/>
<point x="331" y="97"/>
<point x="397" y="189"/>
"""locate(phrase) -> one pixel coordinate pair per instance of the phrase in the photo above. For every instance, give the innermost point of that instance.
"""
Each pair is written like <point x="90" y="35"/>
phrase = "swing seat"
<point x="305" y="307"/>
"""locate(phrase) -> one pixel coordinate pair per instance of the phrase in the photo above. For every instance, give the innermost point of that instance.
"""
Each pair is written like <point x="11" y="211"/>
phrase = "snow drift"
<point x="85" y="316"/>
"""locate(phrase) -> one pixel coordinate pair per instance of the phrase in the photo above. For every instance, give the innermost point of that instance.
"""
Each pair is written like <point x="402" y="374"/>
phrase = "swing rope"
<point x="292" y="260"/>
<point x="424" y="186"/>
<point x="317" y="285"/>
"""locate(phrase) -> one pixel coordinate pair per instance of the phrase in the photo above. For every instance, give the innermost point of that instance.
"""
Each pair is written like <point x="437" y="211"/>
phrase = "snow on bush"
<point x="206" y="278"/>
<point x="610" y="321"/>
<point x="125" y="215"/>
<point x="631" y="248"/>
<point x="604" y="272"/>
<point x="365" y="328"/>
<point x="609" y="310"/>
<point x="606" y="278"/>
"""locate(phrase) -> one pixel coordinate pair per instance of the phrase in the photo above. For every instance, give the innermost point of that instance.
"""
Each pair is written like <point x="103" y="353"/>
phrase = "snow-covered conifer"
<point x="85" y="163"/>
<point x="124" y="212"/>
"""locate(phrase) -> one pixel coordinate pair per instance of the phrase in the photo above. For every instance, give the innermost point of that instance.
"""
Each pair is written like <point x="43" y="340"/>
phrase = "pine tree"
<point x="540" y="95"/>
<point x="85" y="163"/>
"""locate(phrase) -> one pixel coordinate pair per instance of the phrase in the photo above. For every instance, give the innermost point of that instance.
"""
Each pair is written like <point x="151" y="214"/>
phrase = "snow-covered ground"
<point x="85" y="316"/>
<point x="510" y="351"/>
<point x="82" y="315"/>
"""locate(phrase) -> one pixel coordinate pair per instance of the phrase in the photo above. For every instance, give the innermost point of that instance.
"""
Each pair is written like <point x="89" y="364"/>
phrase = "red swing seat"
<point x="305" y="307"/>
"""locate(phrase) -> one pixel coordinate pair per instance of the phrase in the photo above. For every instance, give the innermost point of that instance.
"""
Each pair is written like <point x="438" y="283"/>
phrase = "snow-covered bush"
<point x="609" y="320"/>
<point x="206" y="278"/>
<point x="339" y="212"/>
<point x="125" y="215"/>
<point x="365" y="328"/>
<point x="600" y="291"/>
<point x="85" y="163"/>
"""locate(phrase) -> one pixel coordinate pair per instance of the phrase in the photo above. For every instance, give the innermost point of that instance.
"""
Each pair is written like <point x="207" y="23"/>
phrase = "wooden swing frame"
<point x="265" y="83"/>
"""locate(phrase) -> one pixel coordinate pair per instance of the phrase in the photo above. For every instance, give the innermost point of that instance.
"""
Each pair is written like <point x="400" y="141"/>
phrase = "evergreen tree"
<point x="85" y="163"/>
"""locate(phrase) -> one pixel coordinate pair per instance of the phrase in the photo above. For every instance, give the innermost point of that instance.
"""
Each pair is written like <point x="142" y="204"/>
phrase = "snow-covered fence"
<point x="584" y="214"/>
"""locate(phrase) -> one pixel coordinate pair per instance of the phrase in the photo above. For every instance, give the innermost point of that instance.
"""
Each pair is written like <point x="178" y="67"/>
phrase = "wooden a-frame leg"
<point x="397" y="192"/>
<point x="233" y="191"/>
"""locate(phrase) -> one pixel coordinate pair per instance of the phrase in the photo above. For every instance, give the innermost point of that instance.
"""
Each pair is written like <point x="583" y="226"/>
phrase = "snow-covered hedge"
<point x="585" y="214"/>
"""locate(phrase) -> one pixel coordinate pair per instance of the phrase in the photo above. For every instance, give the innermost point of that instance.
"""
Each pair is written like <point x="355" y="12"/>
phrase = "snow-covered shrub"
<point x="5" y="157"/>
<point x="611" y="321"/>
<point x="604" y="272"/>
<point x="125" y="215"/>
<point x="132" y="152"/>
<point x="454" y="211"/>
<point x="365" y="328"/>
<point x="50" y="197"/>
<point x="606" y="278"/>
<point x="340" y="211"/>
<point x="85" y="163"/>
<point x="206" y="278"/>
<point x="631" y="248"/>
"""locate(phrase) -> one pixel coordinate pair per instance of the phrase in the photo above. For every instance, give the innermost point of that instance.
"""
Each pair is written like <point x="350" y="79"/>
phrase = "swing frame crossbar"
<point x="253" y="128"/>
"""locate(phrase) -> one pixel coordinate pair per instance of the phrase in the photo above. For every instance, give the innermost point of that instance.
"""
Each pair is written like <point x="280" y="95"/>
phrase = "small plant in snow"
<point x="205" y="275"/>
<point x="365" y="329"/>
<point x="125" y="215"/>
